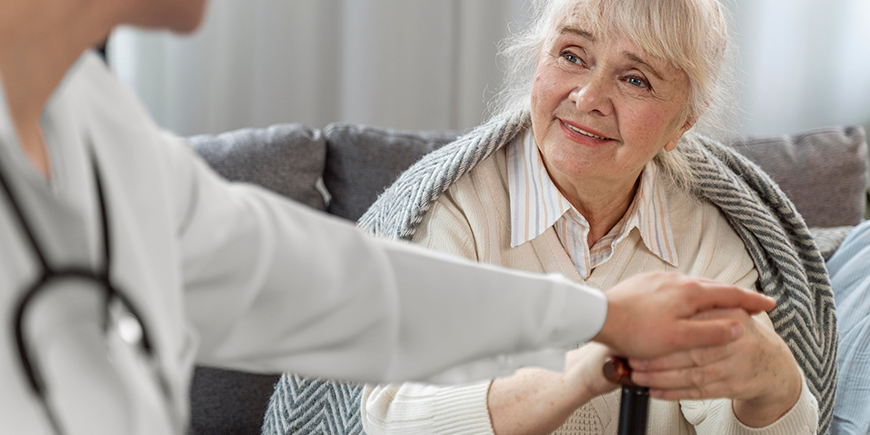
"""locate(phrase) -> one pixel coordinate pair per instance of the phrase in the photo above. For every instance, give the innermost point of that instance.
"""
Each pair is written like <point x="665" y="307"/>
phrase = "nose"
<point x="593" y="95"/>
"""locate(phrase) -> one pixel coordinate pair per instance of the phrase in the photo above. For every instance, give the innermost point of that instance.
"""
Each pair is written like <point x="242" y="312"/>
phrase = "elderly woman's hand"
<point x="583" y="367"/>
<point x="536" y="401"/>
<point x="757" y="371"/>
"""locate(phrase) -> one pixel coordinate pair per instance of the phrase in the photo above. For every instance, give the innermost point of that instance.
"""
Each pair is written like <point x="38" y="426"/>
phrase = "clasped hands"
<point x="691" y="338"/>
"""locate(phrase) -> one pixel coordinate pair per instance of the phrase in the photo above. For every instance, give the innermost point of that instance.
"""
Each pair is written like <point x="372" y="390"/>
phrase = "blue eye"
<point x="571" y="57"/>
<point x="637" y="82"/>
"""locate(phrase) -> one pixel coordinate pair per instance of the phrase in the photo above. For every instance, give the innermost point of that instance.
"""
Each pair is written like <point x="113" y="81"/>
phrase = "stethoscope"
<point x="131" y="320"/>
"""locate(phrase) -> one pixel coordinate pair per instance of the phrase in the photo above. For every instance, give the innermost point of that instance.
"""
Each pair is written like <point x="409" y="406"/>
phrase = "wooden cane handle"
<point x="616" y="370"/>
<point x="634" y="402"/>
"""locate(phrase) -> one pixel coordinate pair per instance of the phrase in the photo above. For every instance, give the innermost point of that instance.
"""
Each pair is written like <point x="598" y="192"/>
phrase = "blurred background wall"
<point x="431" y="64"/>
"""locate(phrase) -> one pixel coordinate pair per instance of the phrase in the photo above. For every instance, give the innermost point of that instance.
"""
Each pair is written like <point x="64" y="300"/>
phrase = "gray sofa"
<point x="342" y="168"/>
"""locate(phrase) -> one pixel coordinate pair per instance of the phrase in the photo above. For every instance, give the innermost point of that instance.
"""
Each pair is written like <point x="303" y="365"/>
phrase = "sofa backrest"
<point x="822" y="171"/>
<point x="286" y="158"/>
<point x="362" y="161"/>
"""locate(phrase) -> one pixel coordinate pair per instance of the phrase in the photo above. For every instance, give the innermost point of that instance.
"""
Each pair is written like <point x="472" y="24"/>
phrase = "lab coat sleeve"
<point x="272" y="285"/>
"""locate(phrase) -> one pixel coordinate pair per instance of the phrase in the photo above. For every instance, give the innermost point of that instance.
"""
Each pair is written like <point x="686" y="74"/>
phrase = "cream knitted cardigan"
<point x="791" y="270"/>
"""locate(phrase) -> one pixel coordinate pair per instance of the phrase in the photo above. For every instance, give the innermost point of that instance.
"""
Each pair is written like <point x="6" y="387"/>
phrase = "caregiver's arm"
<point x="273" y="285"/>
<point x="478" y="309"/>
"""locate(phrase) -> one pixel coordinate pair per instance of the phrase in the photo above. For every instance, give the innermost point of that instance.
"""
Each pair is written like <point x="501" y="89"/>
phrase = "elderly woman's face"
<point x="602" y="107"/>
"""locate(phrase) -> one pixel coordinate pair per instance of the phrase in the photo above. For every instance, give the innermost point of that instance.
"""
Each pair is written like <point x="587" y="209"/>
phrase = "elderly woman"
<point x="593" y="171"/>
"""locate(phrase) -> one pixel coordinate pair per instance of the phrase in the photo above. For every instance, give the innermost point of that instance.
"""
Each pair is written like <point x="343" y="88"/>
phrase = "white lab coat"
<point x="234" y="276"/>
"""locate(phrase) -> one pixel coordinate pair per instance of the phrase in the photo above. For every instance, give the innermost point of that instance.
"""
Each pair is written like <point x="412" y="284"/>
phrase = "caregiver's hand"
<point x="653" y="314"/>
<point x="757" y="371"/>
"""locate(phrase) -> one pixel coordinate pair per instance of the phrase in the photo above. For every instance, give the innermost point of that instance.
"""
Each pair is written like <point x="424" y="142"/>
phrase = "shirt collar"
<point x="650" y="214"/>
<point x="536" y="204"/>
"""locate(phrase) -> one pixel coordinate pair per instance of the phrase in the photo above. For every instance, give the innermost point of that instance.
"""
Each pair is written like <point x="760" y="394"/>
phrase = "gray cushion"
<point x="829" y="239"/>
<point x="362" y="161"/>
<point x="285" y="158"/>
<point x="288" y="159"/>
<point x="228" y="402"/>
<point x="822" y="172"/>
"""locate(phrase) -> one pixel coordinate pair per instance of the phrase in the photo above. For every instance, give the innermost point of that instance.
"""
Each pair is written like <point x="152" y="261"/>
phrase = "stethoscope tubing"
<point x="48" y="275"/>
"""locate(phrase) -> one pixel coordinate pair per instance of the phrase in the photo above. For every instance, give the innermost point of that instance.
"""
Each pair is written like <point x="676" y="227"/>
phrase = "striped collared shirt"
<point x="537" y="204"/>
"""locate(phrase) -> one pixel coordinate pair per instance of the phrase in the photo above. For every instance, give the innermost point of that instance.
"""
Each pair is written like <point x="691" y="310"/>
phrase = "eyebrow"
<point x="633" y="57"/>
<point x="578" y="31"/>
<point x="588" y="35"/>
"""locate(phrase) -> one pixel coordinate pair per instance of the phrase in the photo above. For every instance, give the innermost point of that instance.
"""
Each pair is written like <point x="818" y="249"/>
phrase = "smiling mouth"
<point x="584" y="132"/>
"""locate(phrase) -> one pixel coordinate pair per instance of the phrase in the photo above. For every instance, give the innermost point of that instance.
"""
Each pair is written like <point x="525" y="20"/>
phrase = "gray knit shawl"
<point x="790" y="268"/>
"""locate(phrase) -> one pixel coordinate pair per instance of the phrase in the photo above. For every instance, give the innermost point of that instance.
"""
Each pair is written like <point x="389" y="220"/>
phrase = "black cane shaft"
<point x="633" y="411"/>
<point x="634" y="407"/>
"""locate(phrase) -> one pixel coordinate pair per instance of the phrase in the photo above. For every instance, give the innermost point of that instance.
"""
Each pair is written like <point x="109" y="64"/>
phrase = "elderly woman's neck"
<point x="602" y="206"/>
<point x="39" y="41"/>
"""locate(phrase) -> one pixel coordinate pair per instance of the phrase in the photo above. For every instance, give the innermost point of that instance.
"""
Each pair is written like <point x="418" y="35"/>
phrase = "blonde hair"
<point x="691" y="34"/>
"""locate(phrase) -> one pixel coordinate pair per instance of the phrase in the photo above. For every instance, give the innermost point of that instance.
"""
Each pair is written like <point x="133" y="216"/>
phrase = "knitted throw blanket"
<point x="790" y="268"/>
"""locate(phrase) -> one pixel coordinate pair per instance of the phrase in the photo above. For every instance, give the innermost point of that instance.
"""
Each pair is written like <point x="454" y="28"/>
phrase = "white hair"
<point x="690" y="34"/>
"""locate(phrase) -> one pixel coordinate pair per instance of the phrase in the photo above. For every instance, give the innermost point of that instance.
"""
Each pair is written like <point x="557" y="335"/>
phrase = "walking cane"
<point x="634" y="407"/>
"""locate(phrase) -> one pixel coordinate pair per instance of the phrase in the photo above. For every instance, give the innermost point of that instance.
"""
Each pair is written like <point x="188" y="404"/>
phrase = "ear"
<point x="690" y="122"/>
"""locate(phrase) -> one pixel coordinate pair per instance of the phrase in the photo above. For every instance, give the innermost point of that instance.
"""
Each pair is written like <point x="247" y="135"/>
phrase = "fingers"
<point x="744" y="368"/>
<point x="691" y="380"/>
<point x="682" y="360"/>
<point x="712" y="295"/>
<point x="715" y="327"/>
<point x="722" y="313"/>
<point x="691" y="377"/>
<point x="691" y="370"/>
<point x="584" y="367"/>
<point x="652" y="314"/>
<point x="694" y="383"/>
<point x="712" y="391"/>
<point x="702" y="333"/>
